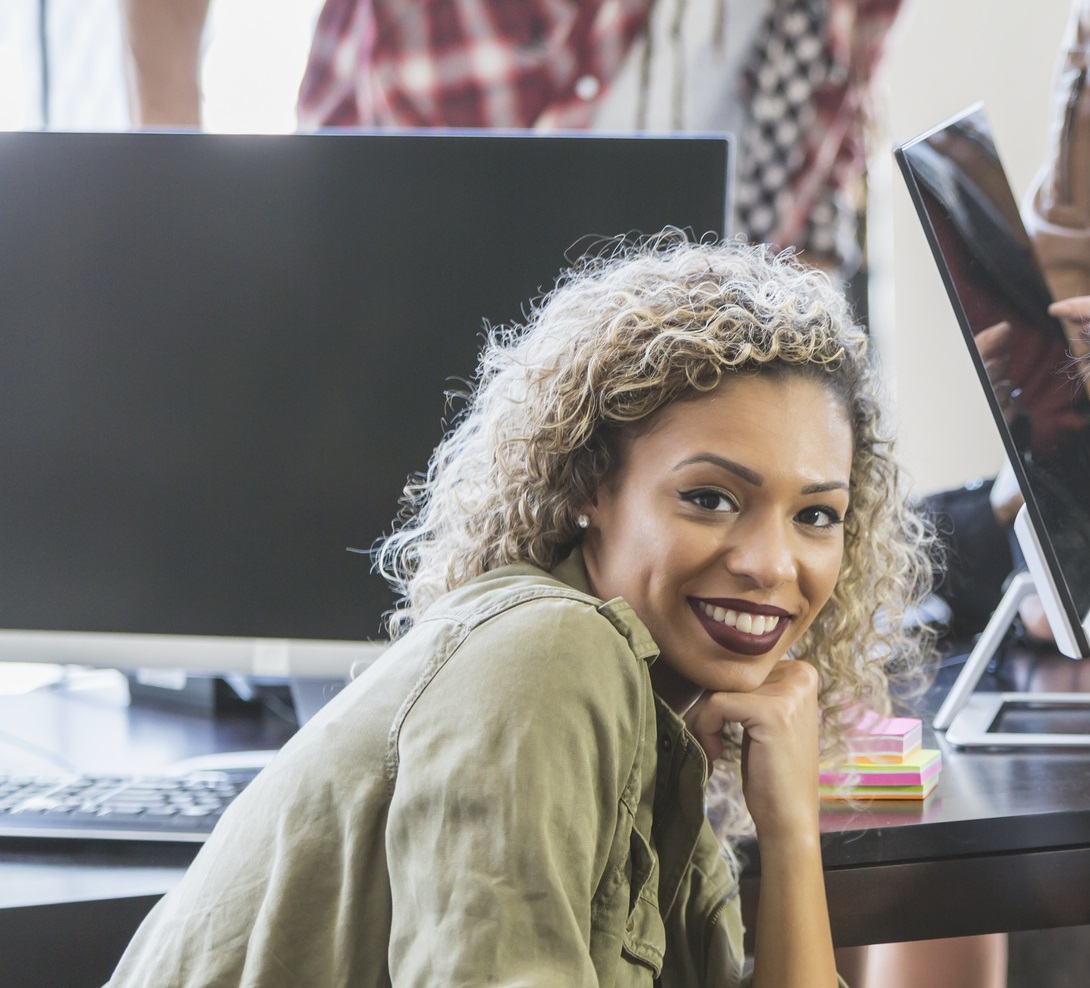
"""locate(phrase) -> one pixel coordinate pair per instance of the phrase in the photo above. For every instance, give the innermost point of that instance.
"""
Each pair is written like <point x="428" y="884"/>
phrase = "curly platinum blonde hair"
<point x="615" y="341"/>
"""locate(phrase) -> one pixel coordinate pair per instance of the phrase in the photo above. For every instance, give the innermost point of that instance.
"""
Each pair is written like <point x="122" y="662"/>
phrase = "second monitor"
<point x="1037" y="392"/>
<point x="222" y="356"/>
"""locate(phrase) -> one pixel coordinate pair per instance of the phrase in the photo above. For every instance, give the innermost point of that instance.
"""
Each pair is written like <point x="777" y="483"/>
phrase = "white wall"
<point x="943" y="56"/>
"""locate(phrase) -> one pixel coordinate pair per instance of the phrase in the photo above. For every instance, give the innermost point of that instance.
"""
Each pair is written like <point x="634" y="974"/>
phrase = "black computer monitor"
<point x="1036" y="390"/>
<point x="1040" y="406"/>
<point x="222" y="356"/>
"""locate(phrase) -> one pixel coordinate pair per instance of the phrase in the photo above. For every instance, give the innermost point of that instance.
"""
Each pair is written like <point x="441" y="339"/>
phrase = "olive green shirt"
<point x="500" y="800"/>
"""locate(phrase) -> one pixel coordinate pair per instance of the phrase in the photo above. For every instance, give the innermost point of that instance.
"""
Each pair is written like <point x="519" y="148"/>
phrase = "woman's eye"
<point x="710" y="499"/>
<point x="820" y="517"/>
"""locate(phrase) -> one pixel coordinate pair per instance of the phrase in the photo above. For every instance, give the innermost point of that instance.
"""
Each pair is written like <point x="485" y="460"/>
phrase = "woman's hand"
<point x="1074" y="313"/>
<point x="1076" y="309"/>
<point x="993" y="344"/>
<point x="779" y="747"/>
<point x="794" y="947"/>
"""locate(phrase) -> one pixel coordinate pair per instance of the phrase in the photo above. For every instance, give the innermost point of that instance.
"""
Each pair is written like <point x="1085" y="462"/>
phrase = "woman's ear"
<point x="585" y="514"/>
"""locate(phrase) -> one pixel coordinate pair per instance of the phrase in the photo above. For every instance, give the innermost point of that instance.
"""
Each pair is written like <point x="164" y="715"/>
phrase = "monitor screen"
<point x="221" y="357"/>
<point x="1037" y="392"/>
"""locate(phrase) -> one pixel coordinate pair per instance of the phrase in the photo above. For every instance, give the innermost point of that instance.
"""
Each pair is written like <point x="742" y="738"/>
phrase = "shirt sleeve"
<point x="511" y="765"/>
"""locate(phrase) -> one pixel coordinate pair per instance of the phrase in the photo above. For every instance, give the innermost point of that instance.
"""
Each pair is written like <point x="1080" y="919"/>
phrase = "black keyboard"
<point x="154" y="808"/>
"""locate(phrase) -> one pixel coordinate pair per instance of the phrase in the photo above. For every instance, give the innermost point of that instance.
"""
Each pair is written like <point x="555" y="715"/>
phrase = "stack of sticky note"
<point x="887" y="762"/>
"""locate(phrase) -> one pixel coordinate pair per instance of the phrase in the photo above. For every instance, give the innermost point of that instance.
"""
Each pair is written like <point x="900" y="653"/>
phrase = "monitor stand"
<point x="967" y="718"/>
<point x="177" y="690"/>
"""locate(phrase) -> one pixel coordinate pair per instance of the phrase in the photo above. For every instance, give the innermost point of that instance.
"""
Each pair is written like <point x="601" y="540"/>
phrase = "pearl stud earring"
<point x="583" y="521"/>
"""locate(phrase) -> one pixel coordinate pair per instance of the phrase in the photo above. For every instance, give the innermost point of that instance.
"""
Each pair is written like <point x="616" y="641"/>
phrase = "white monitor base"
<point x="972" y="725"/>
<point x="966" y="718"/>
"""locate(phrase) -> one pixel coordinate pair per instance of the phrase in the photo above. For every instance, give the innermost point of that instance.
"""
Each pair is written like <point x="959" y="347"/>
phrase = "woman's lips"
<point x="741" y="642"/>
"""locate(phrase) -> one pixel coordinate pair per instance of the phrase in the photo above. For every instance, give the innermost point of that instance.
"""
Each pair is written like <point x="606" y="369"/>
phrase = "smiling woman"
<point x="666" y="514"/>
<point x="600" y="364"/>
<point x="722" y="527"/>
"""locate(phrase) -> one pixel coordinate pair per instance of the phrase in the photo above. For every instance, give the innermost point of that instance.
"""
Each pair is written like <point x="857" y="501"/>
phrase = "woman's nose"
<point x="762" y="552"/>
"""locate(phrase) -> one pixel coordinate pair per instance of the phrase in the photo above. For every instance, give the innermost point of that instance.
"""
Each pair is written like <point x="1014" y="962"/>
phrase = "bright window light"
<point x="255" y="54"/>
<point x="18" y="64"/>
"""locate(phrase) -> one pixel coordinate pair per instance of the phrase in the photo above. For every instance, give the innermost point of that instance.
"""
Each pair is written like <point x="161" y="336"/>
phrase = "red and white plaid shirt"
<point x="547" y="64"/>
<point x="465" y="63"/>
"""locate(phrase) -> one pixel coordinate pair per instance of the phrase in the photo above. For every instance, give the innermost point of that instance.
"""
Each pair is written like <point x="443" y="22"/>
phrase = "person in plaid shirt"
<point x="789" y="77"/>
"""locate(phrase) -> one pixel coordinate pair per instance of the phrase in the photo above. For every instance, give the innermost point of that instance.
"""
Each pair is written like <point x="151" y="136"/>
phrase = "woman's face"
<point x="722" y="528"/>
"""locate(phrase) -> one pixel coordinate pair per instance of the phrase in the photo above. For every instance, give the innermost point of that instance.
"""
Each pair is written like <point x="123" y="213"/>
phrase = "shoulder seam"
<point x="504" y="603"/>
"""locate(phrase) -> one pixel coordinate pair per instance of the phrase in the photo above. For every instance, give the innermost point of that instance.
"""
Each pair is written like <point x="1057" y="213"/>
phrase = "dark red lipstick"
<point x="739" y="641"/>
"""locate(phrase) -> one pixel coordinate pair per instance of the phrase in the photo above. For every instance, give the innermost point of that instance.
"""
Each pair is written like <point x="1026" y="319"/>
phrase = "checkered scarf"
<point x="802" y="154"/>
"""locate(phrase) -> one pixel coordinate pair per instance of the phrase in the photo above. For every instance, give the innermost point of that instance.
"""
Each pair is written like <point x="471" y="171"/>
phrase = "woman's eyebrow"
<point x="749" y="476"/>
<point x="752" y="477"/>
<point x="829" y="485"/>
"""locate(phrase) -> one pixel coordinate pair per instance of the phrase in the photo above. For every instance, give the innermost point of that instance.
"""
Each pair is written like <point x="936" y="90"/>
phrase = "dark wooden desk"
<point x="67" y="909"/>
<point x="1003" y="844"/>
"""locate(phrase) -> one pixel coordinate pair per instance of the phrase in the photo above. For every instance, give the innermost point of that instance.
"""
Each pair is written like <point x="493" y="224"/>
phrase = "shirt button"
<point x="666" y="744"/>
<point x="587" y="87"/>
